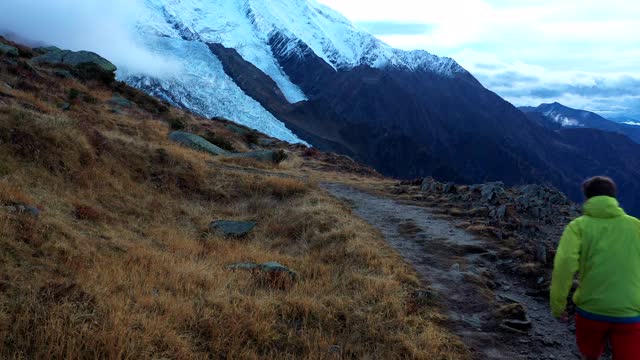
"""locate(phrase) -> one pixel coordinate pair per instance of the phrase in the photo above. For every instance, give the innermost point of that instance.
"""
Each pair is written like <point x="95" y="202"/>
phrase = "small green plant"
<point x="279" y="156"/>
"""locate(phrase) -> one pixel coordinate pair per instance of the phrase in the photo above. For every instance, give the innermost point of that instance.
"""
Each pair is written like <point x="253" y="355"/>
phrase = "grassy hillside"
<point x="105" y="252"/>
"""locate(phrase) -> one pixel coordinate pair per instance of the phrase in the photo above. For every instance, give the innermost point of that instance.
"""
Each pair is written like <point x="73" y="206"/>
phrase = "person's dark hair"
<point x="599" y="186"/>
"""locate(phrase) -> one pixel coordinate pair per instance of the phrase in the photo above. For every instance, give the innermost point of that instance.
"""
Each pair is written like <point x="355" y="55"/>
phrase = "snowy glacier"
<point x="203" y="87"/>
<point x="180" y="29"/>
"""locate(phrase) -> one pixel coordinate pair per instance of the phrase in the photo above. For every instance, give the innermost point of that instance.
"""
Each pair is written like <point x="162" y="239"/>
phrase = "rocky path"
<point x="480" y="300"/>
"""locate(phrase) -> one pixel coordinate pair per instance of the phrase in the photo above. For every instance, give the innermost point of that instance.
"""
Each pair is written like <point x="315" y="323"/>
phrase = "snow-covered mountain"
<point x="260" y="31"/>
<point x="556" y="115"/>
<point x="299" y="71"/>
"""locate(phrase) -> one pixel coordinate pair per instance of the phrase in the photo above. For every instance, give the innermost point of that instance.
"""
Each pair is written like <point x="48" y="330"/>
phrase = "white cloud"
<point x="104" y="27"/>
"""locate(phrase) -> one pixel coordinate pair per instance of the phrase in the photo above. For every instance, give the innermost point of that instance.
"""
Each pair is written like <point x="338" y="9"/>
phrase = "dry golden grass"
<point x="119" y="263"/>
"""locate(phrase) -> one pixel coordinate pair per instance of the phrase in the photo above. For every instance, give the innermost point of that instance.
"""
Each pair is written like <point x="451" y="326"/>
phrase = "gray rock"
<point x="46" y="49"/>
<point x="23" y="209"/>
<point x="265" y="155"/>
<point x="64" y="74"/>
<point x="423" y="297"/>
<point x="73" y="58"/>
<point x="196" y="142"/>
<point x="236" y="129"/>
<point x="489" y="192"/>
<point x="541" y="253"/>
<point x="266" y="142"/>
<point x="450" y="188"/>
<point x="426" y="184"/>
<point x="518" y="326"/>
<point x="501" y="212"/>
<point x="8" y="50"/>
<point x="118" y="100"/>
<point x="269" y="267"/>
<point x="231" y="228"/>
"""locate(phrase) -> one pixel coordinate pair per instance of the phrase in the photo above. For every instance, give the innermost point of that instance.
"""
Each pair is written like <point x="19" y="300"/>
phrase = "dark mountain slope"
<point x="416" y="123"/>
<point x="556" y="116"/>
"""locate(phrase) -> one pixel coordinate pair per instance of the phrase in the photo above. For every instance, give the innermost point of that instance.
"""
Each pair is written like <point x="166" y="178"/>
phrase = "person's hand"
<point x="564" y="318"/>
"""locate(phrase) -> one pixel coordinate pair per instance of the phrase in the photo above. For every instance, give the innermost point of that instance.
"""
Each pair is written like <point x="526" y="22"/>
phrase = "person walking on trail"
<point x="603" y="246"/>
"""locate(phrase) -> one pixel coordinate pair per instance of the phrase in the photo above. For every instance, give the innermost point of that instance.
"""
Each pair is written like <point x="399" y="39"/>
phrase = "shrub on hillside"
<point x="86" y="212"/>
<point x="73" y="95"/>
<point x="219" y="141"/>
<point x="91" y="71"/>
<point x="311" y="152"/>
<point x="252" y="138"/>
<point x="176" y="124"/>
<point x="279" y="156"/>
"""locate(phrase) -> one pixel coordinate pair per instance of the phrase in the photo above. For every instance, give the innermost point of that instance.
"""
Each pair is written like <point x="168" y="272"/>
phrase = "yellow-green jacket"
<point x="603" y="246"/>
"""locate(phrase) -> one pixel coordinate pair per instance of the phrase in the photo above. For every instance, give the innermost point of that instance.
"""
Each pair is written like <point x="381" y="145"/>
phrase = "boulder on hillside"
<point x="23" y="209"/>
<point x="118" y="100"/>
<point x="8" y="50"/>
<point x="271" y="274"/>
<point x="196" y="142"/>
<point x="267" y="142"/>
<point x="276" y="156"/>
<point x="46" y="49"/>
<point x="227" y="228"/>
<point x="237" y="129"/>
<point x="84" y="65"/>
<point x="514" y="318"/>
<point x="489" y="192"/>
<point x="74" y="58"/>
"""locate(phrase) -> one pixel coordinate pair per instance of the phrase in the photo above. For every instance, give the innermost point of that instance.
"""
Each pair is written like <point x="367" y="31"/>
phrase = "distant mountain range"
<point x="298" y="70"/>
<point x="557" y="116"/>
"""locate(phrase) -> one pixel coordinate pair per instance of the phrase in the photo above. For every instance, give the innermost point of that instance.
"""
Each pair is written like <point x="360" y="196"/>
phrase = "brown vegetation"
<point x="118" y="264"/>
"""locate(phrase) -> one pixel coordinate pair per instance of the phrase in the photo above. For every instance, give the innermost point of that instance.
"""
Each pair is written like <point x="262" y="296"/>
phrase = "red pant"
<point x="592" y="337"/>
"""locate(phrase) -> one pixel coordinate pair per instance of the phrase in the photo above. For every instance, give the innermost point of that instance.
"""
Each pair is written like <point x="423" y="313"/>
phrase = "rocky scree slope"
<point x="525" y="221"/>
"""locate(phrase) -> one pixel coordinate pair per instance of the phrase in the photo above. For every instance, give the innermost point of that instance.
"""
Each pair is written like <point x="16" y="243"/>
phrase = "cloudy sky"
<point x="584" y="54"/>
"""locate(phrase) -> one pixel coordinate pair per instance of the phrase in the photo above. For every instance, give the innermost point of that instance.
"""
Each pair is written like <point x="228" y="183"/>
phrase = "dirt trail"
<point x="462" y="269"/>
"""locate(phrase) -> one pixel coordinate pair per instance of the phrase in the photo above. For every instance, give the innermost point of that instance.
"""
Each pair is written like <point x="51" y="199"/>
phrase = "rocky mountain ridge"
<point x="557" y="116"/>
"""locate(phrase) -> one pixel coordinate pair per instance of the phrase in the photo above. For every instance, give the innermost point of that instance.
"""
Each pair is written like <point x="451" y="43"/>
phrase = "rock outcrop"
<point x="56" y="56"/>
<point x="264" y="156"/>
<point x="8" y="50"/>
<point x="196" y="142"/>
<point x="83" y="65"/>
<point x="271" y="274"/>
<point x="525" y="221"/>
<point x="227" y="228"/>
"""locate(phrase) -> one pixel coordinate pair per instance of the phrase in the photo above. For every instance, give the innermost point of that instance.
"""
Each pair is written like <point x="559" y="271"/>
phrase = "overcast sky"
<point x="582" y="53"/>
